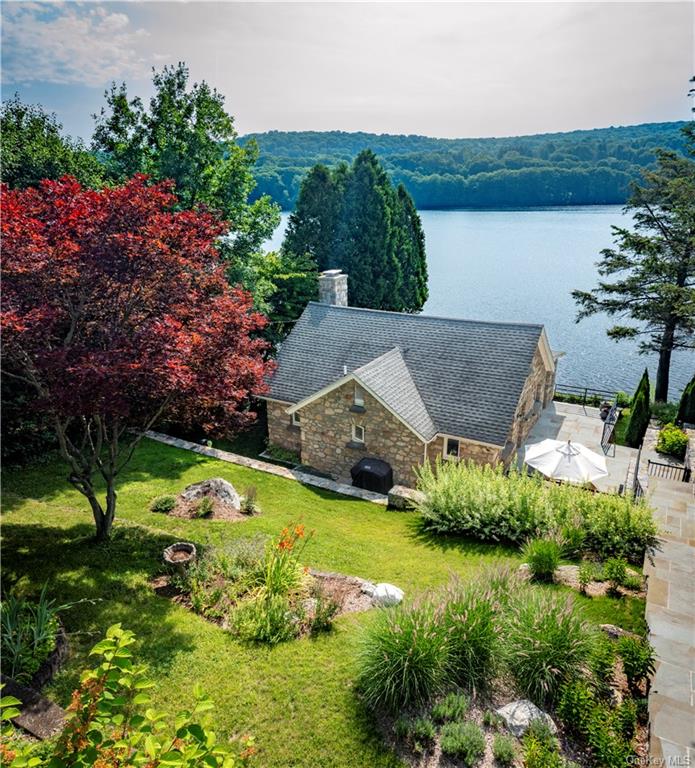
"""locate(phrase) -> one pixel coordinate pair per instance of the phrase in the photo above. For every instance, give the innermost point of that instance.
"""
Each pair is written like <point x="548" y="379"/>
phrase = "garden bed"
<point x="189" y="510"/>
<point x="436" y="672"/>
<point x="258" y="589"/>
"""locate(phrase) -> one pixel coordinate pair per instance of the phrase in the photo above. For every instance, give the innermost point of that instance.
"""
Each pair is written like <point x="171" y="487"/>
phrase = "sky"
<point x="438" y="69"/>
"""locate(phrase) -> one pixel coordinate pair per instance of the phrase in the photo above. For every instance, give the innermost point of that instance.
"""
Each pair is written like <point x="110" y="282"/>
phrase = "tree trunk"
<point x="103" y="518"/>
<point x="664" y="369"/>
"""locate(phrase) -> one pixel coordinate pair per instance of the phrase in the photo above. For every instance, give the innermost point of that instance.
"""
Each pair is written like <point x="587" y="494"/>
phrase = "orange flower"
<point x="299" y="531"/>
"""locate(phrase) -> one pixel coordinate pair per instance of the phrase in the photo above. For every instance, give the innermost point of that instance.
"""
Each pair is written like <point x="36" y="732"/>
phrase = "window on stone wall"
<point x="358" y="398"/>
<point x="296" y="420"/>
<point x="357" y="433"/>
<point x="451" y="448"/>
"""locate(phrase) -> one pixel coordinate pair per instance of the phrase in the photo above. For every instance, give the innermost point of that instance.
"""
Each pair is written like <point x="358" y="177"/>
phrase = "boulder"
<point x="518" y="715"/>
<point x="386" y="594"/>
<point x="217" y="488"/>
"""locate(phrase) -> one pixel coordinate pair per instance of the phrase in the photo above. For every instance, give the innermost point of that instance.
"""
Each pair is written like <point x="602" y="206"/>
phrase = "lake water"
<point x="520" y="266"/>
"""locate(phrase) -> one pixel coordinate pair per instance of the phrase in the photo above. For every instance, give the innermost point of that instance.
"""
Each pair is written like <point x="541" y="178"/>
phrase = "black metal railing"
<point x="637" y="489"/>
<point x="608" y="434"/>
<point x="583" y="395"/>
<point x="668" y="471"/>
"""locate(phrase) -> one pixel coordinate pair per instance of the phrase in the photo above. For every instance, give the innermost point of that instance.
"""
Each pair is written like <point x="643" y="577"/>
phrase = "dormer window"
<point x="296" y="420"/>
<point x="451" y="448"/>
<point x="358" y="398"/>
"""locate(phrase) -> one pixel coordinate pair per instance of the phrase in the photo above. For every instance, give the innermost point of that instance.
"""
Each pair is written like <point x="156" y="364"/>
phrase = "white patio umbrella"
<point x="568" y="461"/>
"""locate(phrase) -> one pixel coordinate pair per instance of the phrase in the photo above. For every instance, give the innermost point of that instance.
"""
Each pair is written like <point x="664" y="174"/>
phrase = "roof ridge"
<point x="418" y="316"/>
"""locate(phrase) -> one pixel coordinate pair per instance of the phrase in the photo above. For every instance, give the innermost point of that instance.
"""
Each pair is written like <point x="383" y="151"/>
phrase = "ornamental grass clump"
<point x="468" y="618"/>
<point x="547" y="643"/>
<point x="542" y="557"/>
<point x="405" y="657"/>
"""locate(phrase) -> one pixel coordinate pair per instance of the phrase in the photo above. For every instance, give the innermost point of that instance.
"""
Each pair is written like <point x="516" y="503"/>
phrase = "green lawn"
<point x="297" y="698"/>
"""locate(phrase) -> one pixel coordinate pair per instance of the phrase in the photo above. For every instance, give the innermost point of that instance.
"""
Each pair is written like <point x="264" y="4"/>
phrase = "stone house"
<point x="353" y="383"/>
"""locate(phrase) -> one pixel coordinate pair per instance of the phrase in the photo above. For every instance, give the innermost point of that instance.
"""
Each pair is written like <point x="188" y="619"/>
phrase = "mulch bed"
<point x="220" y="511"/>
<point x="568" y="575"/>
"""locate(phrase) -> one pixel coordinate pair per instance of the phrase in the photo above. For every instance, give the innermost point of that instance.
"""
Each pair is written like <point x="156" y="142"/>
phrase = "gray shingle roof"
<point x="389" y="379"/>
<point x="468" y="375"/>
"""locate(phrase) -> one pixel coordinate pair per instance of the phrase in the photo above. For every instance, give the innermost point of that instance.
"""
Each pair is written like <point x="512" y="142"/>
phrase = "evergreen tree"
<point x="410" y="252"/>
<point x="311" y="228"/>
<point x="640" y="413"/>
<point x="652" y="269"/>
<point x="365" y="246"/>
<point x="686" y="408"/>
<point x="355" y="220"/>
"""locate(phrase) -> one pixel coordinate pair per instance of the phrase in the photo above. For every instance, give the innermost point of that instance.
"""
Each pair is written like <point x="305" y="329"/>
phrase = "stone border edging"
<point x="272" y="469"/>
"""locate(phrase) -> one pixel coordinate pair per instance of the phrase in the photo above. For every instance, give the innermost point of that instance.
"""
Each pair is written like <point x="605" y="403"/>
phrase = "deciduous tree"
<point x="116" y="311"/>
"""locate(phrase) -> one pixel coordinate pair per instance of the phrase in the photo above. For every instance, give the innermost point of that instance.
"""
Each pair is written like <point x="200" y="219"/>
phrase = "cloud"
<point x="71" y="43"/>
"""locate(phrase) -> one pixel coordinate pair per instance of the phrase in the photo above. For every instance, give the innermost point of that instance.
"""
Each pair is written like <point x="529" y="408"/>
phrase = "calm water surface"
<point x="520" y="266"/>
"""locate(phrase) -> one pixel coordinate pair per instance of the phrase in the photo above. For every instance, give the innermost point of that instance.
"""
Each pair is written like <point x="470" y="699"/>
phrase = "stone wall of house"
<point x="327" y="443"/>
<point x="281" y="431"/>
<point x="468" y="450"/>
<point x="536" y="394"/>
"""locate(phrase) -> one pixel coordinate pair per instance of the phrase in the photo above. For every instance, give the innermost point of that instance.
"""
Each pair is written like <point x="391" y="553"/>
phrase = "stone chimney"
<point x="333" y="288"/>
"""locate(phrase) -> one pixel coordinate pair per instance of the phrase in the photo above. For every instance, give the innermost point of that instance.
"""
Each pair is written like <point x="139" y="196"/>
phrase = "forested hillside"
<point x="576" y="168"/>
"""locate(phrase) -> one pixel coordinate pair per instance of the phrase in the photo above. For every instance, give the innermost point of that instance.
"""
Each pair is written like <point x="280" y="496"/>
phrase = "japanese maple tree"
<point x="116" y="312"/>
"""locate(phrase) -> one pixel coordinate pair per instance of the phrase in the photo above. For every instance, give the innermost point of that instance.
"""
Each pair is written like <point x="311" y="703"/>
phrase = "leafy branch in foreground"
<point x="110" y="722"/>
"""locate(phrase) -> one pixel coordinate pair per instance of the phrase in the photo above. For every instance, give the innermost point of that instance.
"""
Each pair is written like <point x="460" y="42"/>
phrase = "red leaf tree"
<point x="116" y="313"/>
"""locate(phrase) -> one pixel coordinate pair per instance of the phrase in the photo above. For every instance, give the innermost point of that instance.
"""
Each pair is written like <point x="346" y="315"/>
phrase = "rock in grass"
<point x="217" y="488"/>
<point x="518" y="716"/>
<point x="387" y="594"/>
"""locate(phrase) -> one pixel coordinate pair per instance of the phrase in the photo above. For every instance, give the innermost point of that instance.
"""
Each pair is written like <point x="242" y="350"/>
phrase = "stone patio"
<point x="582" y="424"/>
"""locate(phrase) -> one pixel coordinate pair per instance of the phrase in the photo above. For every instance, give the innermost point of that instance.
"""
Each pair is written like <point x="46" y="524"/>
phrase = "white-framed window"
<point x="358" y="397"/>
<point x="296" y="420"/>
<point x="451" y="448"/>
<point x="357" y="433"/>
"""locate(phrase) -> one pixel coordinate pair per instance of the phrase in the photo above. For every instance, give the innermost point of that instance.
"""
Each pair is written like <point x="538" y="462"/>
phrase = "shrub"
<point x="686" y="407"/>
<point x="266" y="619"/>
<point x="539" y="729"/>
<point x="469" y="621"/>
<point x="615" y="572"/>
<point x="249" y="503"/>
<point x="573" y="539"/>
<point x="637" y="656"/>
<point x="452" y="707"/>
<point x="626" y="719"/>
<point x="464" y="741"/>
<point x="405" y="657"/>
<point x="466" y="499"/>
<point x="665" y="413"/>
<point x="163" y="503"/>
<point x="537" y="754"/>
<point x="672" y="441"/>
<point x="543" y="557"/>
<point x="595" y="723"/>
<point x="203" y="508"/>
<point x="634" y="582"/>
<point x="111" y="722"/>
<point x="503" y="749"/>
<point x="601" y="664"/>
<point x="547" y="643"/>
